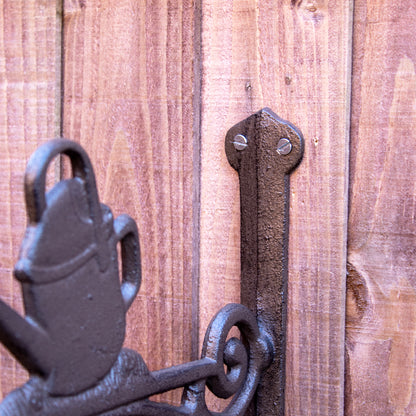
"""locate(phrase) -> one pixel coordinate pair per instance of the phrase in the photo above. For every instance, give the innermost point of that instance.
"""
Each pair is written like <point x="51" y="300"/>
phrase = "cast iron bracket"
<point x="71" y="338"/>
<point x="272" y="148"/>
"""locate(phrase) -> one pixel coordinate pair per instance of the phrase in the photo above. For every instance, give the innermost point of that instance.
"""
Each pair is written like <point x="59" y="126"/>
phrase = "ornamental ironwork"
<point x="71" y="338"/>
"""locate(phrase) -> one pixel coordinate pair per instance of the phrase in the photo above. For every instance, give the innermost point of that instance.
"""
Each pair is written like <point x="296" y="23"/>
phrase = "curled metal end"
<point x="239" y="362"/>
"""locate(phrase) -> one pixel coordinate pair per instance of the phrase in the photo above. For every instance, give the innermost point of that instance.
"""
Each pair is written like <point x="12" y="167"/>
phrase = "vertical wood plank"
<point x="128" y="100"/>
<point x="294" y="57"/>
<point x="381" y="307"/>
<point x="29" y="114"/>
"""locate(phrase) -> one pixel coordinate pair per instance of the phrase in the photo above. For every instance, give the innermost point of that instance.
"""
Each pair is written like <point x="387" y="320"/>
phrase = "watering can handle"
<point x="35" y="187"/>
<point x="126" y="233"/>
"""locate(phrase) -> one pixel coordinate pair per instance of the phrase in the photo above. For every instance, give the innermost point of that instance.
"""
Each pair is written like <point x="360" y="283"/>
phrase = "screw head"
<point x="284" y="147"/>
<point x="240" y="142"/>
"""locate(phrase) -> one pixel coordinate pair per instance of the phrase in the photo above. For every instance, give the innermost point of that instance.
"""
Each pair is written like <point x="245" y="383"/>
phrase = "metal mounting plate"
<point x="264" y="149"/>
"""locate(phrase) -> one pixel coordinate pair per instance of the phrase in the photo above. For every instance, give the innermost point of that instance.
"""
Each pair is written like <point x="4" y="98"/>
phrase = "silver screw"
<point x="240" y="142"/>
<point x="284" y="147"/>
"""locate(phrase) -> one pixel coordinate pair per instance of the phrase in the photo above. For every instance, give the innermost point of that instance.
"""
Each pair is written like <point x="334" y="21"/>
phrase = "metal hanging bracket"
<point x="272" y="148"/>
<point x="71" y="338"/>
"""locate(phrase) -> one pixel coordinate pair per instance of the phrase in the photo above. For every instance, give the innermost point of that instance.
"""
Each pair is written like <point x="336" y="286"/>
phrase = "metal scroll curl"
<point x="71" y="338"/>
<point x="244" y="362"/>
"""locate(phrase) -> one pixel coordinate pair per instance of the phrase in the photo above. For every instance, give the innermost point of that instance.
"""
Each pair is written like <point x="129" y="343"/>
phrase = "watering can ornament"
<point x="75" y="306"/>
<point x="71" y="339"/>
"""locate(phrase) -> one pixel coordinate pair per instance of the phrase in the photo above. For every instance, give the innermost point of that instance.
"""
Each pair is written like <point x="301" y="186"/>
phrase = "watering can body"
<point x="74" y="300"/>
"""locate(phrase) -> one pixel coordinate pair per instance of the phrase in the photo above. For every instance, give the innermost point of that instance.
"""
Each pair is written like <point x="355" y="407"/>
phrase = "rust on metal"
<point x="274" y="148"/>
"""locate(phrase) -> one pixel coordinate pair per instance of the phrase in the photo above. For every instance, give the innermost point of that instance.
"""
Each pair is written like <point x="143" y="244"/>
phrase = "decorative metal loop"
<point x="239" y="360"/>
<point x="244" y="362"/>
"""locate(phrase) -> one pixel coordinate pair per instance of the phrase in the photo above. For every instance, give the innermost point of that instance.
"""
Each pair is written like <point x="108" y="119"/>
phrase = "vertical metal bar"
<point x="264" y="149"/>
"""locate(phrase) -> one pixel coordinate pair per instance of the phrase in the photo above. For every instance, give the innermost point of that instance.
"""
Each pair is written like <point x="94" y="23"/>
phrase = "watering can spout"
<point x="25" y="340"/>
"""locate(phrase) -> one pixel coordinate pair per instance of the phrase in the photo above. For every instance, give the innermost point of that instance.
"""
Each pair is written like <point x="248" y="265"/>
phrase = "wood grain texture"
<point x="294" y="57"/>
<point x="381" y="307"/>
<point x="128" y="100"/>
<point x="29" y="114"/>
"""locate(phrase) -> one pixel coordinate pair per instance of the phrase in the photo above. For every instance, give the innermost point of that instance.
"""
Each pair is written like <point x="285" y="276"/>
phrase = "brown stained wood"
<point x="128" y="100"/>
<point x="29" y="114"/>
<point x="293" y="57"/>
<point x="381" y="297"/>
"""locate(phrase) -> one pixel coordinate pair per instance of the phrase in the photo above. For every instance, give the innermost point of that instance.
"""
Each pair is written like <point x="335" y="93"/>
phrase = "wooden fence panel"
<point x="131" y="96"/>
<point x="381" y="307"/>
<point x="30" y="36"/>
<point x="294" y="57"/>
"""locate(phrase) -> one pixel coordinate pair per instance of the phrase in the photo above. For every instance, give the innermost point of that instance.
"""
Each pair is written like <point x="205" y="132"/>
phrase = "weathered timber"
<point x="381" y="307"/>
<point x="30" y="35"/>
<point x="293" y="57"/>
